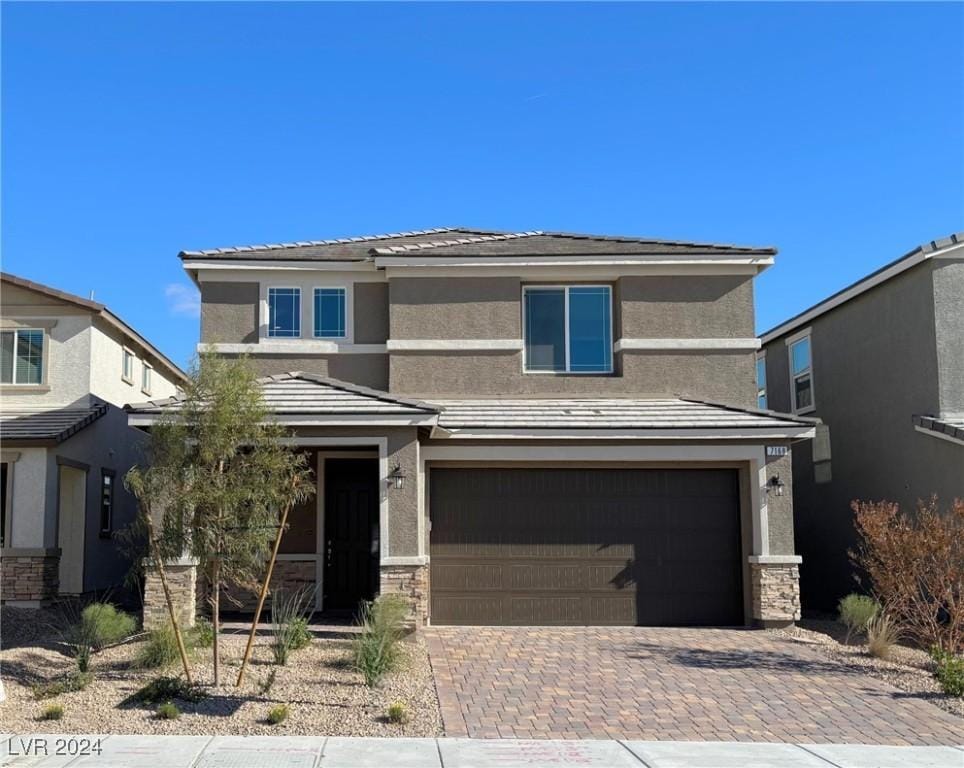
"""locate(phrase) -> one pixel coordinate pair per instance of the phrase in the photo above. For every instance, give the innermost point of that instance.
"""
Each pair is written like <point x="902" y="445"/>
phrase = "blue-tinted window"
<point x="761" y="382"/>
<point x="22" y="357"/>
<point x="800" y="355"/>
<point x="330" y="313"/>
<point x="579" y="314"/>
<point x="284" y="312"/>
<point x="590" y="338"/>
<point x="545" y="312"/>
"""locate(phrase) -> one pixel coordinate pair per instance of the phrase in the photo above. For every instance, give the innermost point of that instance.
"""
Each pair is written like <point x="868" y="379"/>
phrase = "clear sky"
<point x="832" y="131"/>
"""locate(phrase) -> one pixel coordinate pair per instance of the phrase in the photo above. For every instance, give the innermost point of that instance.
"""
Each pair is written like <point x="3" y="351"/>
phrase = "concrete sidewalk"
<point x="44" y="750"/>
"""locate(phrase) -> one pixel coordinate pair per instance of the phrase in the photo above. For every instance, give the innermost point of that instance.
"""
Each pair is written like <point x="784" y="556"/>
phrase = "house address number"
<point x="777" y="450"/>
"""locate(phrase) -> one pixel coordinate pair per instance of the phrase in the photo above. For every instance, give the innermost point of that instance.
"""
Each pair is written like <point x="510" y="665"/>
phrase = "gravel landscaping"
<point x="324" y="694"/>
<point x="909" y="669"/>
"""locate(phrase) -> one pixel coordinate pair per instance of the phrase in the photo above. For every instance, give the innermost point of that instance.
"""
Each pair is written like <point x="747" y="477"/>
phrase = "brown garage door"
<point x="657" y="547"/>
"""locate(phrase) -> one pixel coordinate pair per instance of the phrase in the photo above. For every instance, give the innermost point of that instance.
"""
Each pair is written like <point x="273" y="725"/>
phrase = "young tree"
<point x="230" y="475"/>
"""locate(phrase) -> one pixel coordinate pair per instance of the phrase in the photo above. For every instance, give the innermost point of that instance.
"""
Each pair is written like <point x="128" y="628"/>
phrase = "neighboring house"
<point x="519" y="428"/>
<point x="881" y="363"/>
<point x="67" y="367"/>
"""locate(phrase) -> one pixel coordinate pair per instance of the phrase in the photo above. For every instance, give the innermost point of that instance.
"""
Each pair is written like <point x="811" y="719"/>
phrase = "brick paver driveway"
<point x="684" y="684"/>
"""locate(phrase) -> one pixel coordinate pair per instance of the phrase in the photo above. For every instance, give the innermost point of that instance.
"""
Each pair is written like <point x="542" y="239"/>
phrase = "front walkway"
<point x="667" y="684"/>
<point x="321" y="752"/>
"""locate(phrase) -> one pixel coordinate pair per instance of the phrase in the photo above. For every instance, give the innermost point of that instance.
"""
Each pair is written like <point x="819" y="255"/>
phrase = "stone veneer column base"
<point x="29" y="577"/>
<point x="181" y="580"/>
<point x="775" y="592"/>
<point x="411" y="582"/>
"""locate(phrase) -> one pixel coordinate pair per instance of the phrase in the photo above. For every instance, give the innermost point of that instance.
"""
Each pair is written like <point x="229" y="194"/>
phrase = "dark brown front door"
<point x="351" y="532"/>
<point x="658" y="547"/>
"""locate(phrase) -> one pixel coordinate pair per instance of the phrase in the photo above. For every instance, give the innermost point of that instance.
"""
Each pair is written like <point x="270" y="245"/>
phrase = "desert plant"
<point x="855" y="612"/>
<point x="949" y="672"/>
<point x="159" y="649"/>
<point x="107" y="625"/>
<point x="162" y="689"/>
<point x="203" y="634"/>
<point x="278" y="714"/>
<point x="915" y="564"/>
<point x="882" y="635"/>
<point x="168" y="711"/>
<point x="289" y="624"/>
<point x="267" y="682"/>
<point x="52" y="712"/>
<point x="375" y="649"/>
<point x="74" y="681"/>
<point x="398" y="713"/>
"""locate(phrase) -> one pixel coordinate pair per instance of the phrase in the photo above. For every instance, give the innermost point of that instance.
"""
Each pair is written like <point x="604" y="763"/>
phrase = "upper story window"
<point x="568" y="329"/>
<point x="761" y="381"/>
<point x="127" y="365"/>
<point x="146" y="373"/>
<point x="330" y="313"/>
<point x="284" y="313"/>
<point x="801" y="373"/>
<point x="22" y="356"/>
<point x="106" y="502"/>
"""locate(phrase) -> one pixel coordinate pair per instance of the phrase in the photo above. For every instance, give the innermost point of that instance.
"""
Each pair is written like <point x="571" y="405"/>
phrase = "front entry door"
<point x="351" y="533"/>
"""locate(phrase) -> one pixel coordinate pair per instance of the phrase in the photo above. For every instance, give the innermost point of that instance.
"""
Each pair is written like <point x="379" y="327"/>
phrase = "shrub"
<point x="74" y="681"/>
<point x="203" y="635"/>
<point x="267" y="683"/>
<point x="107" y="625"/>
<point x="278" y="714"/>
<point x="168" y="711"/>
<point x="160" y="649"/>
<point x="398" y="713"/>
<point x="52" y="712"/>
<point x="949" y="672"/>
<point x="915" y="564"/>
<point x="882" y="635"/>
<point x="162" y="689"/>
<point x="856" y="611"/>
<point x="289" y="622"/>
<point x="376" y="650"/>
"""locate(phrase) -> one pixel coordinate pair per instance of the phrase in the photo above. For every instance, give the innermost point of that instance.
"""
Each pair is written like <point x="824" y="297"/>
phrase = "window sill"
<point x="24" y="388"/>
<point x="607" y="374"/>
<point x="127" y="381"/>
<point x="146" y="392"/>
<point x="804" y="411"/>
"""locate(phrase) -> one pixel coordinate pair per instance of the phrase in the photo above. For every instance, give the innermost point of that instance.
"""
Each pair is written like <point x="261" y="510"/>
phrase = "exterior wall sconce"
<point x="775" y="486"/>
<point x="396" y="479"/>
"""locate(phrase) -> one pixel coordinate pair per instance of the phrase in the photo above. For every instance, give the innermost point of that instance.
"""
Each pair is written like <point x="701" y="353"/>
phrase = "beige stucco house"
<point x="519" y="428"/>
<point x="68" y="365"/>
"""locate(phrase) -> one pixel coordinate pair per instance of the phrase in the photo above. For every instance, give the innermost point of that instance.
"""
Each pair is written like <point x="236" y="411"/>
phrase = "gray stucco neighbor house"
<point x="519" y="428"/>
<point x="881" y="363"/>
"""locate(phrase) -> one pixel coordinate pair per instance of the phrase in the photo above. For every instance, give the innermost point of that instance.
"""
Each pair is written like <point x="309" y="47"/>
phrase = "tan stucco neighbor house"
<point x="881" y="363"/>
<point x="68" y="365"/>
<point x="524" y="428"/>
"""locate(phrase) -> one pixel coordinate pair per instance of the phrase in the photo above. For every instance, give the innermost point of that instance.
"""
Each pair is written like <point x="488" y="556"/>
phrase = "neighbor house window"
<point x="284" y="312"/>
<point x="801" y="374"/>
<point x="146" y="372"/>
<point x="127" y="366"/>
<point x="21" y="356"/>
<point x="106" y="502"/>
<point x="761" y="381"/>
<point x="4" y="496"/>
<point x="330" y="313"/>
<point x="568" y="329"/>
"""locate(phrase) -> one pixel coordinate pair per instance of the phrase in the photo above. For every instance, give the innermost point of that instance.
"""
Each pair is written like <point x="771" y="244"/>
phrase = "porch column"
<point x="181" y="577"/>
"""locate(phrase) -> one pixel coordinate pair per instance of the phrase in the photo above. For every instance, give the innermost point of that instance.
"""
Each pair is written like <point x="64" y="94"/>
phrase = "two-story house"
<point x="881" y="363"/>
<point x="68" y="365"/>
<point x="520" y="428"/>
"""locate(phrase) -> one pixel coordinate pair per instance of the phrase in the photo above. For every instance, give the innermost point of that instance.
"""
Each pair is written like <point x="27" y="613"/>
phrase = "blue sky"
<point x="130" y="132"/>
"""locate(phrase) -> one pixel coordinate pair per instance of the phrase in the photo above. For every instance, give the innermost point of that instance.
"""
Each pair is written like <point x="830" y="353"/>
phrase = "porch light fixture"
<point x="397" y="478"/>
<point x="775" y="486"/>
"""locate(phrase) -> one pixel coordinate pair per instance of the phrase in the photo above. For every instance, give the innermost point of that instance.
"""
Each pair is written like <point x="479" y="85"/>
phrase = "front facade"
<point x="881" y="363"/>
<point x="520" y="428"/>
<point x="68" y="366"/>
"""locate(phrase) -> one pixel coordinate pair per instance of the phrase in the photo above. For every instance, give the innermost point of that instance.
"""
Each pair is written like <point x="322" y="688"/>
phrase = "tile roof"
<point x="599" y="413"/>
<point x="463" y="241"/>
<point x="54" y="426"/>
<point x="947" y="426"/>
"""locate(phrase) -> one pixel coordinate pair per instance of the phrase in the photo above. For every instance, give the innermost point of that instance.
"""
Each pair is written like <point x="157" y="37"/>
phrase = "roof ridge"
<point x="357" y="389"/>
<point x="481" y="238"/>
<point x="330" y="241"/>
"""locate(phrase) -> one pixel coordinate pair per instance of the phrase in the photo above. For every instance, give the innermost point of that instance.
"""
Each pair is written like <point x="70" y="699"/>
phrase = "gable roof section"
<point x="19" y="427"/>
<point x="101" y="310"/>
<point x="950" y="246"/>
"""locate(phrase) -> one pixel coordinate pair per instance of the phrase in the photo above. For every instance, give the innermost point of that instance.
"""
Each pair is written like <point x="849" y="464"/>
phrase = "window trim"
<point x="7" y="538"/>
<point x="125" y="377"/>
<point x="790" y="341"/>
<point x="147" y="377"/>
<point x="267" y="310"/>
<point x="761" y="356"/>
<point x="314" y="319"/>
<point x="44" y="347"/>
<point x="106" y="533"/>
<point x="565" y="289"/>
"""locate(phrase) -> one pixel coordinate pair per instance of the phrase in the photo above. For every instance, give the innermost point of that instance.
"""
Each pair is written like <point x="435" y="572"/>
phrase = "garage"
<point x="585" y="547"/>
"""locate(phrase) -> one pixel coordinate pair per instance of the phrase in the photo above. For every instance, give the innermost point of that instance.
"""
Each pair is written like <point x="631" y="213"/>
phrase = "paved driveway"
<point x="682" y="684"/>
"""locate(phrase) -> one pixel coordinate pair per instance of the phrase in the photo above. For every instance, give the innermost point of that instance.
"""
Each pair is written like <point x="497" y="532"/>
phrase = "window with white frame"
<point x="22" y="356"/>
<point x="146" y="373"/>
<point x="284" y="313"/>
<point x="329" y="314"/>
<point x="568" y="329"/>
<point x="127" y="365"/>
<point x="801" y="374"/>
<point x="106" y="502"/>
<point x="761" y="381"/>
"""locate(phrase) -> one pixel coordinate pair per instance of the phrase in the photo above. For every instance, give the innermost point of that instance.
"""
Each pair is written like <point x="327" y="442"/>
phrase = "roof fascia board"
<point x="318" y="420"/>
<point x="757" y="434"/>
<point x="299" y="265"/>
<point x="568" y="271"/>
<point x="414" y="261"/>
<point x="935" y="433"/>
